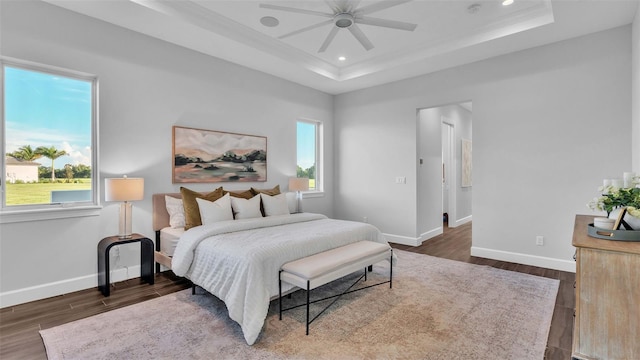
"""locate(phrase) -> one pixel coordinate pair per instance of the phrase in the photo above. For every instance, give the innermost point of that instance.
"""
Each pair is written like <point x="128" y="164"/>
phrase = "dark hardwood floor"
<point x="19" y="325"/>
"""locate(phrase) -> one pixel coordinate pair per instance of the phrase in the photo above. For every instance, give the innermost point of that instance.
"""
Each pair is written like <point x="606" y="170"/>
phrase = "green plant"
<point x="613" y="198"/>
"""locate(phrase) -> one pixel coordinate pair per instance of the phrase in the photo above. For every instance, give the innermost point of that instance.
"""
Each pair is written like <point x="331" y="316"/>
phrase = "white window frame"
<point x="19" y="213"/>
<point x="319" y="160"/>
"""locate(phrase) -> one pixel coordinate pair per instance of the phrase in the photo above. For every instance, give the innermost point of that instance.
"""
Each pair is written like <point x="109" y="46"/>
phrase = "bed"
<point x="238" y="260"/>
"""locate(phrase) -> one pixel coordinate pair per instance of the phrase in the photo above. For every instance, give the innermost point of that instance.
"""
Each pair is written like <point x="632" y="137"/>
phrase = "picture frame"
<point x="466" y="180"/>
<point x="209" y="156"/>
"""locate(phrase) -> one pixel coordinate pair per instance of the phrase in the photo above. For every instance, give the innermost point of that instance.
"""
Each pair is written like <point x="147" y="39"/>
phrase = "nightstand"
<point x="146" y="259"/>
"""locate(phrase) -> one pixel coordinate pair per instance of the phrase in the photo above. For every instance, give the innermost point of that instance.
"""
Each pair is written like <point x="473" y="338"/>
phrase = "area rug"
<point x="437" y="309"/>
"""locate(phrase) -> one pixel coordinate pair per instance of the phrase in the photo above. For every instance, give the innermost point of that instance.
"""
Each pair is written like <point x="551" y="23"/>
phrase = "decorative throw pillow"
<point x="275" y="205"/>
<point x="274" y="191"/>
<point x="245" y="194"/>
<point x="219" y="210"/>
<point x="175" y="210"/>
<point x="292" y="200"/>
<point x="191" y="210"/>
<point x="246" y="208"/>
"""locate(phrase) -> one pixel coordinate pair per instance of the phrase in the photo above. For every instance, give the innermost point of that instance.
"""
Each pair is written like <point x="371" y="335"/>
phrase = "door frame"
<point x="451" y="171"/>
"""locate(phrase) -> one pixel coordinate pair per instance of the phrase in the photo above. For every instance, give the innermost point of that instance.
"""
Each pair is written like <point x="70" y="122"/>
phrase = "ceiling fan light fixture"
<point x="343" y="20"/>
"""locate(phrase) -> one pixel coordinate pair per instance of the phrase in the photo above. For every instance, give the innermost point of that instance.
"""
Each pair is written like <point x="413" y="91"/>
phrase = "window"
<point x="309" y="164"/>
<point x="49" y="122"/>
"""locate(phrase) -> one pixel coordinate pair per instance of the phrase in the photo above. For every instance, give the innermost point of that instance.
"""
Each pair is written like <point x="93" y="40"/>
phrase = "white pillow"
<point x="176" y="211"/>
<point x="275" y="205"/>
<point x="214" y="211"/>
<point x="292" y="200"/>
<point x="246" y="208"/>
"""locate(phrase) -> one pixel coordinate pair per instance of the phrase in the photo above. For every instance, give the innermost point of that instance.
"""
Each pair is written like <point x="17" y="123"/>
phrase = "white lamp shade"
<point x="298" y="184"/>
<point x="123" y="189"/>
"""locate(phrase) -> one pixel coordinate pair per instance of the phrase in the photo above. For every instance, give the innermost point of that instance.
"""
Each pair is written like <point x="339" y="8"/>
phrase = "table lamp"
<point x="124" y="189"/>
<point x="298" y="185"/>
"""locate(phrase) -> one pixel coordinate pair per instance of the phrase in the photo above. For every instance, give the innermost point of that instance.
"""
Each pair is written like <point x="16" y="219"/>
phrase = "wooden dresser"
<point x="607" y="314"/>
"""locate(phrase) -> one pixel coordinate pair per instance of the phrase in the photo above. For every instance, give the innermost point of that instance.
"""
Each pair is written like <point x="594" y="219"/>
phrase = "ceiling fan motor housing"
<point x="343" y="20"/>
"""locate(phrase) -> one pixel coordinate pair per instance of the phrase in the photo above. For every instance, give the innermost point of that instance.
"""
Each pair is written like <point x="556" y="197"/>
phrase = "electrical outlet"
<point x="364" y="219"/>
<point x="401" y="180"/>
<point x="540" y="240"/>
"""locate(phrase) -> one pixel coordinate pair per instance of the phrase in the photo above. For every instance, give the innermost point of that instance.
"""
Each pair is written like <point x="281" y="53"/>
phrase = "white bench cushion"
<point x="332" y="264"/>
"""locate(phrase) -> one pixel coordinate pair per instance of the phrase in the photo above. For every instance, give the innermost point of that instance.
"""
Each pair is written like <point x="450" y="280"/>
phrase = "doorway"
<point x="448" y="172"/>
<point x="441" y="198"/>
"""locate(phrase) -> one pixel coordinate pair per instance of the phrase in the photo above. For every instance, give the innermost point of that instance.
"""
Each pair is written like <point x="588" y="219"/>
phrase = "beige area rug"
<point x="437" y="309"/>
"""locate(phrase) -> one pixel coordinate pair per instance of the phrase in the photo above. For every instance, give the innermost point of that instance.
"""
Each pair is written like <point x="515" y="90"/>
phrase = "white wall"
<point x="635" y="45"/>
<point x="548" y="124"/>
<point x="146" y="87"/>
<point x="429" y="184"/>
<point x="429" y="175"/>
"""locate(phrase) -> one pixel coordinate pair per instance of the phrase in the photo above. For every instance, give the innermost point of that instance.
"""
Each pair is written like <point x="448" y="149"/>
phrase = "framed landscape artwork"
<point x="466" y="163"/>
<point x="204" y="156"/>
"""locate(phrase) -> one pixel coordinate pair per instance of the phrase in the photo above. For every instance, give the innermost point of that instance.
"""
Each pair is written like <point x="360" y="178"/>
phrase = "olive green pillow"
<point x="270" y="192"/>
<point x="245" y="194"/>
<point x="191" y="208"/>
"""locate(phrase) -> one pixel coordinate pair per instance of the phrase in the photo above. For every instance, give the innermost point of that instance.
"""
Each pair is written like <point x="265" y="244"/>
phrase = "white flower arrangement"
<point x="614" y="197"/>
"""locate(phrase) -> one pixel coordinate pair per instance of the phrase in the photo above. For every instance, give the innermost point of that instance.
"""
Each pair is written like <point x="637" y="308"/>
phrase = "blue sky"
<point x="306" y="149"/>
<point x="48" y="110"/>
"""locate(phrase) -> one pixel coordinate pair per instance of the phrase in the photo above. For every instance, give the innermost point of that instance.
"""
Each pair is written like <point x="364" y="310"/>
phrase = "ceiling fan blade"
<point x="314" y="26"/>
<point x="393" y="24"/>
<point x="361" y="37"/>
<point x="332" y="5"/>
<point x="341" y="5"/>
<point x="295" y="10"/>
<point x="353" y="5"/>
<point x="329" y="39"/>
<point x="379" y="6"/>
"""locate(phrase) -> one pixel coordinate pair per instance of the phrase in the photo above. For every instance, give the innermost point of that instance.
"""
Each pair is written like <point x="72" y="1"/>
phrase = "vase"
<point x="633" y="221"/>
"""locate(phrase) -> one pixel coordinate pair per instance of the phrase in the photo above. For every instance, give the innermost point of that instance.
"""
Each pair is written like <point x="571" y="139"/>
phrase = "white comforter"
<point x="238" y="260"/>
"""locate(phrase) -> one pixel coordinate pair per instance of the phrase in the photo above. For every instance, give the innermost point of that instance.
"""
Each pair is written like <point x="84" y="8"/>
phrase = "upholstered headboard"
<point x="160" y="214"/>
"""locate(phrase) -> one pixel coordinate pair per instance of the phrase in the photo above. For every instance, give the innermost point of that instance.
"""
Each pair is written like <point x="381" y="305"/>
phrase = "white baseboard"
<point x="38" y="292"/>
<point x="431" y="233"/>
<point x="526" y="259"/>
<point x="462" y="221"/>
<point x="403" y="240"/>
<point x="411" y="241"/>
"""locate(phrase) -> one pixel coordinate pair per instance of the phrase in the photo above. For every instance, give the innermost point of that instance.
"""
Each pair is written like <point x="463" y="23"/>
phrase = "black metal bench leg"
<point x="391" y="270"/>
<point x="308" y="307"/>
<point x="193" y="289"/>
<point x="280" y="293"/>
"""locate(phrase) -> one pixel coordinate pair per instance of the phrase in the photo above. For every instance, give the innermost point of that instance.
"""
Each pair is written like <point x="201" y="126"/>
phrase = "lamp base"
<point x="298" y="201"/>
<point x="124" y="228"/>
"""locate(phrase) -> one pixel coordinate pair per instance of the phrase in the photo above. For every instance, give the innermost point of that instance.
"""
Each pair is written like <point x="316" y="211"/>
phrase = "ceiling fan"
<point x="347" y="15"/>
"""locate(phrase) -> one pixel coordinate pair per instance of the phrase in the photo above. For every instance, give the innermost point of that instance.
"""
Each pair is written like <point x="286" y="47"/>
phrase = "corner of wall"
<point x="635" y="92"/>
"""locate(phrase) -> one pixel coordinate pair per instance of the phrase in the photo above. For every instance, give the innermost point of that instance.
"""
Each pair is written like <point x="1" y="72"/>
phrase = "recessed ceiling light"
<point x="507" y="2"/>
<point x="342" y="58"/>
<point x="269" y="21"/>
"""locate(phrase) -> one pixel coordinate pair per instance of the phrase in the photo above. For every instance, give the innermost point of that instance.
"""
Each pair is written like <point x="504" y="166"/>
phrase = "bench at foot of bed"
<point x="316" y="270"/>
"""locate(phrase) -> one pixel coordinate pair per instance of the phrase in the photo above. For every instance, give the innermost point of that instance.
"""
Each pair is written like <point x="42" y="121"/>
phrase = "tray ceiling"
<point x="447" y="33"/>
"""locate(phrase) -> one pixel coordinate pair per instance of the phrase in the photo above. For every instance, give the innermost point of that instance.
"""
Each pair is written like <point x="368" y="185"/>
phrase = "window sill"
<point x="14" y="216"/>
<point x="312" y="194"/>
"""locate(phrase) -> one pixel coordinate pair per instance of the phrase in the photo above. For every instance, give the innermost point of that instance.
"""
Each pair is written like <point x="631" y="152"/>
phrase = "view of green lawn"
<point x="39" y="193"/>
